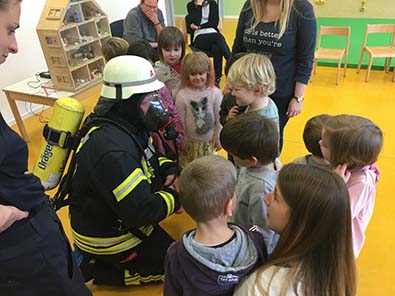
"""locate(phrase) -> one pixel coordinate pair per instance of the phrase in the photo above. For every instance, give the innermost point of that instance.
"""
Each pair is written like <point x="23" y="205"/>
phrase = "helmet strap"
<point x="118" y="91"/>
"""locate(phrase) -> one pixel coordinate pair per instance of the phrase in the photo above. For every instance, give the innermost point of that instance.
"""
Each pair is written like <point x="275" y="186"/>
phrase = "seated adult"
<point x="310" y="209"/>
<point x="202" y="23"/>
<point x="144" y="21"/>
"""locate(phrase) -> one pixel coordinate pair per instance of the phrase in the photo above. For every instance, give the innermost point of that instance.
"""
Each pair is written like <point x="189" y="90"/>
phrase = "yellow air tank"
<point x="64" y="123"/>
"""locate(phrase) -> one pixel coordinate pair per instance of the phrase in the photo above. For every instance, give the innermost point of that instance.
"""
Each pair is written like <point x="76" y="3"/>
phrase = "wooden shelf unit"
<point x="71" y="34"/>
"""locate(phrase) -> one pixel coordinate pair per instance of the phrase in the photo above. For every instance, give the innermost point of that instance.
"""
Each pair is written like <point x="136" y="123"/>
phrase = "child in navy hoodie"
<point x="214" y="257"/>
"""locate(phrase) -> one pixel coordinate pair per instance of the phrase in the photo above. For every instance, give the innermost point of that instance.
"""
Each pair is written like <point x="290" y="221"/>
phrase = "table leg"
<point x="17" y="116"/>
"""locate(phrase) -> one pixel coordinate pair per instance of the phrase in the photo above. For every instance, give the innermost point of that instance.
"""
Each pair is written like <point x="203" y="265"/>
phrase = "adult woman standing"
<point x="35" y="256"/>
<point x="285" y="31"/>
<point x="310" y="208"/>
<point x="202" y="23"/>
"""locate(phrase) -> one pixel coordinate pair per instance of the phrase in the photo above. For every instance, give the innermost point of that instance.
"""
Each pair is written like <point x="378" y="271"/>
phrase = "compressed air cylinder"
<point x="66" y="117"/>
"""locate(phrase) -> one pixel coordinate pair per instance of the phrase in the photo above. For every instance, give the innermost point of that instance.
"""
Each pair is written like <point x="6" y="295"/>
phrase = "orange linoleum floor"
<point x="375" y="100"/>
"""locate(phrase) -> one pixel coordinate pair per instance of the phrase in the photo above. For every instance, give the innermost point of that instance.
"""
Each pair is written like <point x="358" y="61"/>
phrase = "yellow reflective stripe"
<point x="109" y="245"/>
<point x="129" y="184"/>
<point x="163" y="160"/>
<point x="137" y="279"/>
<point x="86" y="138"/>
<point x="102" y="242"/>
<point x="130" y="244"/>
<point x="147" y="171"/>
<point x="169" y="200"/>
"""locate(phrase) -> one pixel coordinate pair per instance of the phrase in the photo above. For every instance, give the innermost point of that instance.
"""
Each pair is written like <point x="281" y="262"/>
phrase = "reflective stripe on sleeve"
<point x="169" y="200"/>
<point x="163" y="160"/>
<point x="129" y="184"/>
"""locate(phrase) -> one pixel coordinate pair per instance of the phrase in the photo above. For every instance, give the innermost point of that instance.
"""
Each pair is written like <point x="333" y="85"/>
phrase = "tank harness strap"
<point x="57" y="137"/>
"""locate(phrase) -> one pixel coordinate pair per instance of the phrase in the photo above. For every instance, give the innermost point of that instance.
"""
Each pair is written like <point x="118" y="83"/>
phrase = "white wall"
<point x="30" y="59"/>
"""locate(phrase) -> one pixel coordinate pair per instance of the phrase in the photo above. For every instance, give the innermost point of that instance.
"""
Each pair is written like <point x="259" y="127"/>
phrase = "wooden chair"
<point x="386" y="52"/>
<point x="333" y="53"/>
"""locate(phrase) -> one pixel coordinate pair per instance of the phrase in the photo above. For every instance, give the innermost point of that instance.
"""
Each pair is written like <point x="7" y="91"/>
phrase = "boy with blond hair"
<point x="252" y="80"/>
<point x="214" y="257"/>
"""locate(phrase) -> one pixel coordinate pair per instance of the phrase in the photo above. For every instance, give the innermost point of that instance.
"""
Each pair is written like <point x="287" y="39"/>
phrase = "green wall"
<point x="231" y="7"/>
<point x="358" y="26"/>
<point x="331" y="15"/>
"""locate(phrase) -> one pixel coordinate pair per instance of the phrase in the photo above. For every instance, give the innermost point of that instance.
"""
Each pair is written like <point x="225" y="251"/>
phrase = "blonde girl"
<point x="198" y="102"/>
<point x="352" y="144"/>
<point x="171" y="49"/>
<point x="310" y="208"/>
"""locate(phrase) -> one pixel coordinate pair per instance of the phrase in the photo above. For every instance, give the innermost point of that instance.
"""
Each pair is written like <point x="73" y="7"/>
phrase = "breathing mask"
<point x="155" y="115"/>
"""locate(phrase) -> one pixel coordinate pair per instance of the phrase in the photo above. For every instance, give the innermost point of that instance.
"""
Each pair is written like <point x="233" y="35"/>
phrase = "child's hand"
<point x="172" y="182"/>
<point x="217" y="146"/>
<point x="342" y="171"/>
<point x="233" y="112"/>
<point x="179" y="211"/>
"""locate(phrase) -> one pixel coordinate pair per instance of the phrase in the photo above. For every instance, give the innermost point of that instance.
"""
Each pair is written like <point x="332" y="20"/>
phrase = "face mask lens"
<point x="151" y="100"/>
<point x="154" y="113"/>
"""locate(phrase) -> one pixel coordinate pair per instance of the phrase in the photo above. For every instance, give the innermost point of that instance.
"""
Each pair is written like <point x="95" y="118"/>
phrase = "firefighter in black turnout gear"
<point x="122" y="188"/>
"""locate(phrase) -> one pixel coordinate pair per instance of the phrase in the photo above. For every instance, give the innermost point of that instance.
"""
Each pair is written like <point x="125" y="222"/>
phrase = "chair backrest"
<point x="379" y="28"/>
<point x="116" y="28"/>
<point x="335" y="31"/>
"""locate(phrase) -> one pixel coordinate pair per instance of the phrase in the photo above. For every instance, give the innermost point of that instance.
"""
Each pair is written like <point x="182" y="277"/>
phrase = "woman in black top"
<point x="35" y="255"/>
<point x="284" y="31"/>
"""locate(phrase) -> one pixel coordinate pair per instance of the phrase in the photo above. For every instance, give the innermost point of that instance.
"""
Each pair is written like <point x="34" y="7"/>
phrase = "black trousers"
<point x="36" y="260"/>
<point x="282" y="106"/>
<point x="215" y="44"/>
<point x="146" y="262"/>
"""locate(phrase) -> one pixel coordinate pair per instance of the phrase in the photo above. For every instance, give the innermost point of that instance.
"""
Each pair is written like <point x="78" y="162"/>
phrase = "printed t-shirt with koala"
<point x="199" y="112"/>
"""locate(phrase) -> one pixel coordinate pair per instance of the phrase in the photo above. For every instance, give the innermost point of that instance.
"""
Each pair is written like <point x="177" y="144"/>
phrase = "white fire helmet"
<point x="124" y="76"/>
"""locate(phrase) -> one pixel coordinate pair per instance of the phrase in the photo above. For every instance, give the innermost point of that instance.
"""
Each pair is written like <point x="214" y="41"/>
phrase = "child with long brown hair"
<point x="171" y="49"/>
<point x="310" y="208"/>
<point x="198" y="103"/>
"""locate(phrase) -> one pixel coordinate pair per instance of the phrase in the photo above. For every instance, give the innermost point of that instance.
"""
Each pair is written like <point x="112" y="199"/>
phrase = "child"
<point x="143" y="49"/>
<point x="114" y="47"/>
<point x="171" y="47"/>
<point x="252" y="79"/>
<point x="352" y="144"/>
<point x="252" y="140"/>
<point x="214" y="257"/>
<point x="229" y="101"/>
<point x="311" y="137"/>
<point x="310" y="208"/>
<point x="198" y="102"/>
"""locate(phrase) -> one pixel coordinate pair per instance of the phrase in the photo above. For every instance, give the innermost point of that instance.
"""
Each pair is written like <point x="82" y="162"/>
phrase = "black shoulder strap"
<point x="60" y="198"/>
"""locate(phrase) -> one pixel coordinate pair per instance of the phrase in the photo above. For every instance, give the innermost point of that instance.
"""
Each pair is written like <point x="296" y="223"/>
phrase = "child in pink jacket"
<point x="352" y="144"/>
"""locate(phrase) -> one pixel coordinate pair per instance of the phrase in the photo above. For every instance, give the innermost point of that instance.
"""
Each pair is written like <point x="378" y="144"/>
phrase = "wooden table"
<point x="37" y="90"/>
